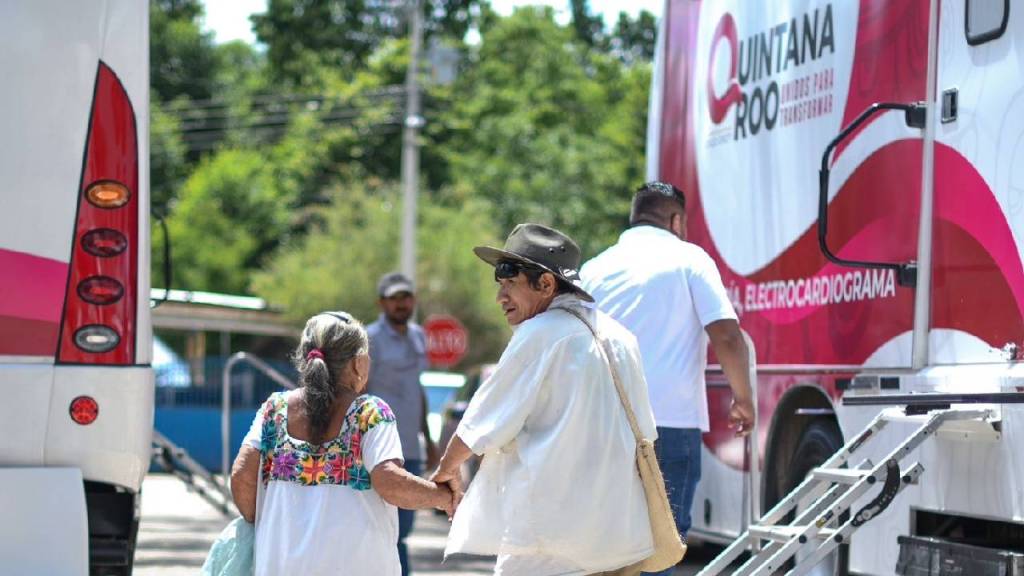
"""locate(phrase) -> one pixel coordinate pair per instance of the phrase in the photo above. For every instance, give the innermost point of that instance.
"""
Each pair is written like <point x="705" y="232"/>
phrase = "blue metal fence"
<point x="188" y="408"/>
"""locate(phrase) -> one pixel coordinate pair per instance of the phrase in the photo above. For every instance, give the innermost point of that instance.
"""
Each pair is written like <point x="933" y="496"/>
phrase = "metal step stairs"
<point x="176" y="460"/>
<point x="832" y="489"/>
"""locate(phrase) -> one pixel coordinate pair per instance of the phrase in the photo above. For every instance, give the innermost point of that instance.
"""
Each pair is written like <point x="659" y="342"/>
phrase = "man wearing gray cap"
<point x="398" y="348"/>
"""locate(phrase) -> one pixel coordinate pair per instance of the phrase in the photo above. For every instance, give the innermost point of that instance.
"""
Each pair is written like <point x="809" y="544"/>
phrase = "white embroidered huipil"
<point x="558" y="479"/>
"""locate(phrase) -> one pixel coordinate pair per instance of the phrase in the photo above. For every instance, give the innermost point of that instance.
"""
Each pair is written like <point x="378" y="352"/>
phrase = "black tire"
<point x="820" y="439"/>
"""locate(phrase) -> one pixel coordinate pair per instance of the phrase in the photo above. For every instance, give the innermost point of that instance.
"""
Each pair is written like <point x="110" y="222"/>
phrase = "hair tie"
<point x="315" y="353"/>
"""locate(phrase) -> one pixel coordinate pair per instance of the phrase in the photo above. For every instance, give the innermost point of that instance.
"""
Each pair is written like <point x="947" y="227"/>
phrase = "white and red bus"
<point x="75" y="338"/>
<point x="747" y="96"/>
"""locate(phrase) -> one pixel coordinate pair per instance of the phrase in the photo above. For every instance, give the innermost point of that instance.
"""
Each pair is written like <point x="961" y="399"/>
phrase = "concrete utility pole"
<point x="410" y="142"/>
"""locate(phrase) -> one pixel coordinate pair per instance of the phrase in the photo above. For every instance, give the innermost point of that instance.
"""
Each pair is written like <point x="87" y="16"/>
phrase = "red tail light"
<point x="104" y="243"/>
<point x="98" y="326"/>
<point x="84" y="410"/>
<point x="100" y="290"/>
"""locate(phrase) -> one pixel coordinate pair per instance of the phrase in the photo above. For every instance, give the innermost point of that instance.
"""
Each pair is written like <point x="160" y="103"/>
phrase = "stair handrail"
<point x="168" y="450"/>
<point x="225" y="409"/>
<point x="752" y="480"/>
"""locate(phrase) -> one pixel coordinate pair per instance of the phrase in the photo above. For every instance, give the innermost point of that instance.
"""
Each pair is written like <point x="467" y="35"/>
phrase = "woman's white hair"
<point x="339" y="338"/>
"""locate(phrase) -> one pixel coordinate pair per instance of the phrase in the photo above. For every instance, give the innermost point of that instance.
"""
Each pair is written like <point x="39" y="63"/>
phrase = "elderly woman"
<point x="320" y="471"/>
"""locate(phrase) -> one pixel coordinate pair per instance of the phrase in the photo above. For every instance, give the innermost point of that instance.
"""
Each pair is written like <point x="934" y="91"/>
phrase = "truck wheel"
<point x="818" y="441"/>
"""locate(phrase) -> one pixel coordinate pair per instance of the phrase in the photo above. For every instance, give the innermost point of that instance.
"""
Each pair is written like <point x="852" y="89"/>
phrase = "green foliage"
<point x="182" y="60"/>
<point x="230" y="218"/>
<point x="450" y="18"/>
<point x="295" y="197"/>
<point x="336" y="266"/>
<point x="589" y="28"/>
<point x="241" y="73"/>
<point x="167" y="167"/>
<point x="633" y="40"/>
<point x="313" y="44"/>
<point x="453" y="280"/>
<point x="547" y="130"/>
<point x="310" y="40"/>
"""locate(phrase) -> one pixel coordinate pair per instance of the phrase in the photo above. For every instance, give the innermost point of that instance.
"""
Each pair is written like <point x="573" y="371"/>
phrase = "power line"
<point x="203" y="124"/>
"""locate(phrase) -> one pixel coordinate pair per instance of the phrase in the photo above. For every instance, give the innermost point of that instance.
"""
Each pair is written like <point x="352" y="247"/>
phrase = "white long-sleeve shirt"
<point x="558" y="480"/>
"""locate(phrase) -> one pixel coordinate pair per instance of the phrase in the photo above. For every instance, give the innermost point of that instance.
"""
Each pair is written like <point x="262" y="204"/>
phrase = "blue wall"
<point x="197" y="430"/>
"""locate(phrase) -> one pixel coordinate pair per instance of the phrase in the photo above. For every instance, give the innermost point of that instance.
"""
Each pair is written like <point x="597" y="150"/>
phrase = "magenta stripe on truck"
<point x="31" y="298"/>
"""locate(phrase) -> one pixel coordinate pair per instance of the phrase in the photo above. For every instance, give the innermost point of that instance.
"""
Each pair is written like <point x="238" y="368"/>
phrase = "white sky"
<point x="229" y="19"/>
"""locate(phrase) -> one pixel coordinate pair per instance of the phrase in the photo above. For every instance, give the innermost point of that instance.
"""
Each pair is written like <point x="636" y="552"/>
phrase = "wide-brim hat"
<point x="542" y="247"/>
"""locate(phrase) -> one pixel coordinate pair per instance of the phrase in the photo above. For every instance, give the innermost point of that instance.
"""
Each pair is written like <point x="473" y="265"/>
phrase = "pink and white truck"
<point x="856" y="170"/>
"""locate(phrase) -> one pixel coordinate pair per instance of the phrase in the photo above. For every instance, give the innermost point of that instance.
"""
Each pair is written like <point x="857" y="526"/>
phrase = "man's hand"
<point x="731" y="349"/>
<point x="741" y="416"/>
<point x="449" y="503"/>
<point x="454" y="482"/>
<point x="449" y="471"/>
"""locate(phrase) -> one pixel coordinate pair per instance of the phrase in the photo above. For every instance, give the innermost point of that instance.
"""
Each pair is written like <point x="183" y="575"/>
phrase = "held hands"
<point x="741" y="416"/>
<point x="447" y="501"/>
<point x="451" y="481"/>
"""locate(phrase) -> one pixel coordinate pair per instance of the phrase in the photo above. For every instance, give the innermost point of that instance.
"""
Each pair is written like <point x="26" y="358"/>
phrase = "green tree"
<point x="182" y="59"/>
<point x="538" y="127"/>
<point x="167" y="163"/>
<point x="634" y="39"/>
<point x="230" y="218"/>
<point x="589" y="28"/>
<point x="452" y="18"/>
<point x="338" y="263"/>
<point x="241" y="71"/>
<point x="548" y="130"/>
<point x="312" y="44"/>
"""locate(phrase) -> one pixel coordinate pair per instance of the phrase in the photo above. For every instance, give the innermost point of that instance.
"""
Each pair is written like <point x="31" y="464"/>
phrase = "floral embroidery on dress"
<point x="338" y="461"/>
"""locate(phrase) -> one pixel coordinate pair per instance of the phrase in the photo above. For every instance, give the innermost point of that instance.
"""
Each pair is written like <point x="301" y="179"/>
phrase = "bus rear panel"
<point x="75" y="333"/>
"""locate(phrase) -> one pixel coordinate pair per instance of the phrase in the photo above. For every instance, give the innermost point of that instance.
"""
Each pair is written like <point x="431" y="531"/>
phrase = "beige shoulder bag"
<point x="669" y="549"/>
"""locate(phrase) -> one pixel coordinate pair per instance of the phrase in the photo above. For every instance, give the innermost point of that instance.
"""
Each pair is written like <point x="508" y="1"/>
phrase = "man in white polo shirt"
<point x="669" y="293"/>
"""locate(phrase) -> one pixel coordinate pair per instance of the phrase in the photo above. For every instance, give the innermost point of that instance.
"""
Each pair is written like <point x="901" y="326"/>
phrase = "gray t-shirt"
<point x="396" y="363"/>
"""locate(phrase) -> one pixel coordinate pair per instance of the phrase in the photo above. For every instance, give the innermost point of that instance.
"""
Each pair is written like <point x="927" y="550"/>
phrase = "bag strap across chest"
<point x="606" y="353"/>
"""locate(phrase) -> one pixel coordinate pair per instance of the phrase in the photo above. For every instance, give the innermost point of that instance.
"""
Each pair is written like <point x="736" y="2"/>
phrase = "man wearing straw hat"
<point x="558" y="490"/>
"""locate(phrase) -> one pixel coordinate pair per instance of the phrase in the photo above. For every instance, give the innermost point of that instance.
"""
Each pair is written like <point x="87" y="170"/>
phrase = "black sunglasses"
<point x="505" y="269"/>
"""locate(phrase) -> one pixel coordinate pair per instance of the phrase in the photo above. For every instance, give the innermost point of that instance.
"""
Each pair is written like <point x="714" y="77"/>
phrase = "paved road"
<point x="178" y="527"/>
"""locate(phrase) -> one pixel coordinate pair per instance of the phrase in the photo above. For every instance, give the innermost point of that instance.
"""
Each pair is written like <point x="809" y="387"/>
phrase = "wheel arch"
<point x="787" y="426"/>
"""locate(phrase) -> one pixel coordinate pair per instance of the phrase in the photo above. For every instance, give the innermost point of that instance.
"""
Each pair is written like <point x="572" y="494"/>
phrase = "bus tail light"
<point x="96" y="338"/>
<point x="108" y="194"/>
<point x="84" y="410"/>
<point x="99" y="321"/>
<point x="100" y="290"/>
<point x="104" y="243"/>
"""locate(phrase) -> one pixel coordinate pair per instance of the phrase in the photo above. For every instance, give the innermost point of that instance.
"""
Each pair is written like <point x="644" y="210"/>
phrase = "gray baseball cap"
<point x="393" y="283"/>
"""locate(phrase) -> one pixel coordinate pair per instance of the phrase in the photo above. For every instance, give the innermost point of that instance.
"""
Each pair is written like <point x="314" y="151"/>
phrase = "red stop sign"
<point x="446" y="339"/>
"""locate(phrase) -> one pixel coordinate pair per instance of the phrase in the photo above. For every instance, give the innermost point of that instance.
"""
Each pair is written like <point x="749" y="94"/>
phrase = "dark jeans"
<point x="678" y="451"/>
<point x="406" y="518"/>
